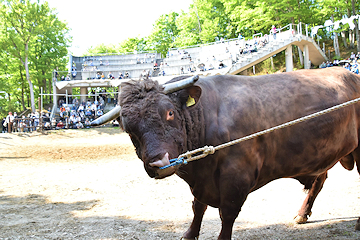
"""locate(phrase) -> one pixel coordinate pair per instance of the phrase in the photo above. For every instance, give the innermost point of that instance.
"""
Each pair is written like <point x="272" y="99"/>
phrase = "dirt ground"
<point x="89" y="184"/>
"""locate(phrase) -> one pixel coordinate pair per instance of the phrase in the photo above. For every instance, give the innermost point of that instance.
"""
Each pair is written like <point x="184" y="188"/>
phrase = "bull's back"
<point x="246" y="105"/>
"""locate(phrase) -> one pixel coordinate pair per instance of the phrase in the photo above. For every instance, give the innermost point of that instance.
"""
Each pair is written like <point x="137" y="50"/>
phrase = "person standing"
<point x="273" y="31"/>
<point x="4" y="126"/>
<point x="9" y="121"/>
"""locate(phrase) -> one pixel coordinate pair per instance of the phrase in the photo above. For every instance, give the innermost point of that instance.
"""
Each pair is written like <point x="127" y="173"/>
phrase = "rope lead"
<point x="206" y="150"/>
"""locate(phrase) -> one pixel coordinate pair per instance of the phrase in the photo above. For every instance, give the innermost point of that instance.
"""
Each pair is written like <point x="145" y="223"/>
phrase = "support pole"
<point x="83" y="94"/>
<point x="40" y="115"/>
<point x="55" y="100"/>
<point x="42" y="98"/>
<point x="288" y="59"/>
<point x="306" y="57"/>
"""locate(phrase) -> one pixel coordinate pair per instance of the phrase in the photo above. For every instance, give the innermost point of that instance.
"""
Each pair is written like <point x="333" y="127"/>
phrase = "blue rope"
<point x="174" y="162"/>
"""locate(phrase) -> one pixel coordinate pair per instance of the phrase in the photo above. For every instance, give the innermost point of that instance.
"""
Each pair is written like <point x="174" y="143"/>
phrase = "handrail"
<point x="109" y="54"/>
<point x="254" y="35"/>
<point x="290" y="26"/>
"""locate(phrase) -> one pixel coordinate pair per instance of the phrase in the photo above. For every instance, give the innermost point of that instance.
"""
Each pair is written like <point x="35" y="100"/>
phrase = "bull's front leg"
<point x="233" y="195"/>
<point x="228" y="216"/>
<point x="193" y="232"/>
<point x="305" y="209"/>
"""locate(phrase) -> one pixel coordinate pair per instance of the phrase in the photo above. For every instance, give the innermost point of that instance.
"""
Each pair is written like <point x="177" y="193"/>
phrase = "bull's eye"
<point x="170" y="115"/>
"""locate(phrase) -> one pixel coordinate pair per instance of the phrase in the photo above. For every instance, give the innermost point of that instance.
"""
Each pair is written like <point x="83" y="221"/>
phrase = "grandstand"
<point x="88" y="66"/>
<point x="231" y="56"/>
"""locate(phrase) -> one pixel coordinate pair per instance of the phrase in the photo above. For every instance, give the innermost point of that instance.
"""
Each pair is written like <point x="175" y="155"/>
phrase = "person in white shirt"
<point x="9" y="121"/>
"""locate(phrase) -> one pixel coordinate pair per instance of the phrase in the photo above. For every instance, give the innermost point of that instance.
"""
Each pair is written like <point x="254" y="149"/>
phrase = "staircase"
<point x="275" y="46"/>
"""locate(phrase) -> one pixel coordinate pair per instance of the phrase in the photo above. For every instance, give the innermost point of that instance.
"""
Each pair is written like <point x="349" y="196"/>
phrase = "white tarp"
<point x="90" y="83"/>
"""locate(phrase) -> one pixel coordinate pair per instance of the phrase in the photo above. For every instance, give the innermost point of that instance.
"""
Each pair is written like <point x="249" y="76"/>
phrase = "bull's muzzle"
<point x="162" y="173"/>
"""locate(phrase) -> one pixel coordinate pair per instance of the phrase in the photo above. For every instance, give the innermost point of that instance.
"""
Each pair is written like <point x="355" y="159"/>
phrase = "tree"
<point x="23" y="24"/>
<point x="164" y="33"/>
<point x="189" y="28"/>
<point x="11" y="85"/>
<point x="101" y="49"/>
<point x="126" y="46"/>
<point x="214" y="21"/>
<point x="49" y="51"/>
<point x="252" y="17"/>
<point x="356" y="25"/>
<point x="132" y="45"/>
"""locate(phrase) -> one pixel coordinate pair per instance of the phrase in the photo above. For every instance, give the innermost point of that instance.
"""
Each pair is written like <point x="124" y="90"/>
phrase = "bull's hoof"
<point x="195" y="238"/>
<point x="300" y="219"/>
<point x="357" y="226"/>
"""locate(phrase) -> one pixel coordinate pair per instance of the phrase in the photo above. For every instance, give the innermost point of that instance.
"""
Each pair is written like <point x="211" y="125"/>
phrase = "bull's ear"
<point x="190" y="96"/>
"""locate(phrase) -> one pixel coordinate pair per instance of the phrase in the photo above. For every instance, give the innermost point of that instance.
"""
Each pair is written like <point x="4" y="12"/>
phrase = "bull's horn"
<point x="176" y="86"/>
<point x="111" y="115"/>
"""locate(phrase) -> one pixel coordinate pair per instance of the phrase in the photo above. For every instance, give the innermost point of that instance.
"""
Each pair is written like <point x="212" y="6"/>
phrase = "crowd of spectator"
<point x="254" y="45"/>
<point x="74" y="115"/>
<point x="351" y="63"/>
<point x="29" y="123"/>
<point x="223" y="53"/>
<point x="79" y="115"/>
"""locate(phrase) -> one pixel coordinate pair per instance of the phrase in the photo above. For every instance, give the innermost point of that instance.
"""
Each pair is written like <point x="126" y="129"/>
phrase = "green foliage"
<point x="33" y="41"/>
<point x="251" y="17"/>
<point x="164" y="33"/>
<point x="132" y="45"/>
<point x="209" y="20"/>
<point x="127" y="46"/>
<point x="101" y="49"/>
<point x="214" y="21"/>
<point x="189" y="29"/>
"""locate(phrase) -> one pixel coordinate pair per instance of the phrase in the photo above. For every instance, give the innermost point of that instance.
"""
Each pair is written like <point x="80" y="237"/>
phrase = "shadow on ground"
<point x="35" y="217"/>
<point x="106" y="129"/>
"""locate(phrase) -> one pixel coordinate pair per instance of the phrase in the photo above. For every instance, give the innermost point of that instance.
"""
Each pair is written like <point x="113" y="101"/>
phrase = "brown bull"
<point x="219" y="109"/>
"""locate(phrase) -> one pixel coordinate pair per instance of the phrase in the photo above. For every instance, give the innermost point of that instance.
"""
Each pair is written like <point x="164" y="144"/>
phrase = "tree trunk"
<point x="336" y="40"/>
<point x="45" y="98"/>
<point x="295" y="59"/>
<point x="22" y="90"/>
<point x="351" y="38"/>
<point x="301" y="58"/>
<point x="50" y="90"/>
<point x="31" y="87"/>
<point x="336" y="44"/>
<point x="343" y="35"/>
<point x="9" y="100"/>
<point x="356" y="26"/>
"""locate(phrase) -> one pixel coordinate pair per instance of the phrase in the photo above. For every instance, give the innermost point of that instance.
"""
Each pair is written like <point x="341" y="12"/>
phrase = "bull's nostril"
<point x="162" y="162"/>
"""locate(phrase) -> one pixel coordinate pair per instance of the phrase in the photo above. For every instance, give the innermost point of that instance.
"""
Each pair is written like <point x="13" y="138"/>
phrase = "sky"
<point x="93" y="22"/>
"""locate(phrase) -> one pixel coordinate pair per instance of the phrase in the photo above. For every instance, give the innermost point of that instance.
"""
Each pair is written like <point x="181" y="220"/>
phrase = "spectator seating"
<point x="198" y="58"/>
<point x="88" y="66"/>
<point x="211" y="56"/>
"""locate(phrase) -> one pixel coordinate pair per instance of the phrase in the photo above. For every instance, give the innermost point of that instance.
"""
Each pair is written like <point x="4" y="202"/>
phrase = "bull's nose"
<point x="162" y="162"/>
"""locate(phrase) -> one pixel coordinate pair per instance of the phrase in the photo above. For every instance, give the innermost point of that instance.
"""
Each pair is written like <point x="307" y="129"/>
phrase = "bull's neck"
<point x="194" y="127"/>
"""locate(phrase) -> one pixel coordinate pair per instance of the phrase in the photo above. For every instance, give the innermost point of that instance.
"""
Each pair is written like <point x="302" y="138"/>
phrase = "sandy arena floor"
<point x="89" y="184"/>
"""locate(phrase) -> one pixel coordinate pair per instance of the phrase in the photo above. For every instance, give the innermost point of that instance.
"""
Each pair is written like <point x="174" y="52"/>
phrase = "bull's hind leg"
<point x="357" y="160"/>
<point x="194" y="229"/>
<point x="316" y="186"/>
<point x="348" y="163"/>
